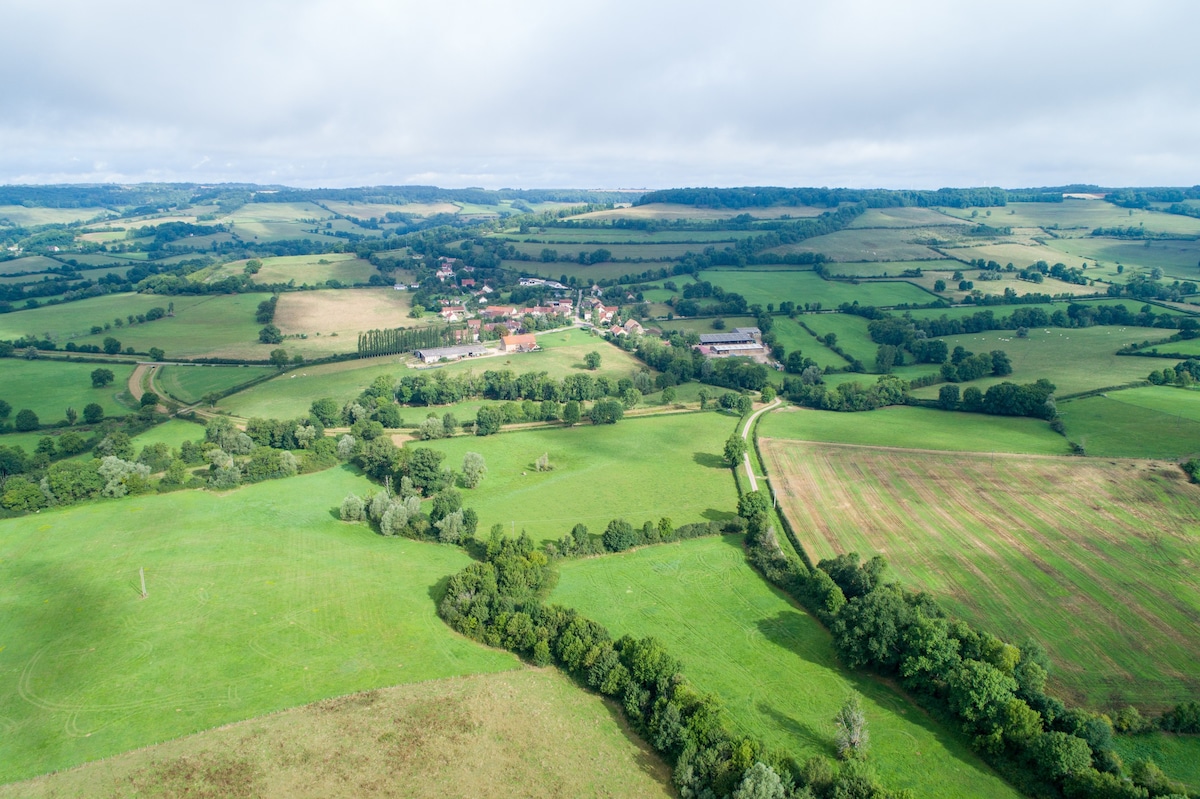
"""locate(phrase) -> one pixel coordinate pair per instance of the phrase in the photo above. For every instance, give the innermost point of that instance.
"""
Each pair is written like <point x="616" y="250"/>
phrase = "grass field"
<point x="312" y="270"/>
<point x="772" y="664"/>
<point x="1075" y="359"/>
<point x="283" y="607"/>
<point x="30" y="217"/>
<point x="1079" y="217"/>
<point x="638" y="469"/>
<point x="1151" y="422"/>
<point x="650" y="251"/>
<point x="672" y="211"/>
<point x="806" y="286"/>
<point x="1024" y="547"/>
<point x="340" y="315"/>
<point x="172" y="433"/>
<point x="1177" y="259"/>
<point x="905" y="218"/>
<point x="49" y="387"/>
<point x="851" y="332"/>
<point x="1020" y="255"/>
<point x="275" y="221"/>
<point x="871" y="244"/>
<point x="589" y="239"/>
<point x="874" y="269"/>
<point x="793" y="337"/>
<point x="529" y="733"/>
<point x="220" y="324"/>
<point x="292" y="393"/>
<point x="190" y="383"/>
<point x="915" y="428"/>
<point x="609" y="270"/>
<point x="1178" y="755"/>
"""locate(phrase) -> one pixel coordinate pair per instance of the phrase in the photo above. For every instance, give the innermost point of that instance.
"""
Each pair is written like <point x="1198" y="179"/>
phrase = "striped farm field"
<point x="1025" y="547"/>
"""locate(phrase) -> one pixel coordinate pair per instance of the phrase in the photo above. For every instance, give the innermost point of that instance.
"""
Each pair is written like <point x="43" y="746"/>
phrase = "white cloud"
<point x="599" y="94"/>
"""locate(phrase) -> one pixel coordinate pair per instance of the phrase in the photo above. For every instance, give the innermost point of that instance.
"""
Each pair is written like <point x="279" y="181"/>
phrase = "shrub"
<point x="352" y="508"/>
<point x="26" y="421"/>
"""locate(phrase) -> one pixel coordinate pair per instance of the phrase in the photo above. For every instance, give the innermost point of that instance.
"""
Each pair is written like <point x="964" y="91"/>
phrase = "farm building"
<point x="525" y="342"/>
<point x="435" y="354"/>
<point x="741" y="341"/>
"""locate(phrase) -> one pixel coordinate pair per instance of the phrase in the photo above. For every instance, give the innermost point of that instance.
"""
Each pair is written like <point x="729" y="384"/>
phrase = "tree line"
<point x="993" y="690"/>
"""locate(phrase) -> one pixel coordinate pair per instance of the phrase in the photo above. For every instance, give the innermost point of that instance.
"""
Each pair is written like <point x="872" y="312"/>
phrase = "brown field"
<point x="345" y="311"/>
<point x="527" y="733"/>
<point x="1094" y="559"/>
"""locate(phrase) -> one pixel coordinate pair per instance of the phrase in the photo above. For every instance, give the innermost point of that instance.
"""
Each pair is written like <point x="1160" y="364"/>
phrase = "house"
<point x="436" y="354"/>
<point x="524" y="342"/>
<point x="532" y="281"/>
<point x="606" y="313"/>
<point x="634" y="328"/>
<point x="454" y="313"/>
<point x="474" y="326"/>
<point x="468" y="282"/>
<point x="444" y="272"/>
<point x="497" y="311"/>
<point x="564" y="307"/>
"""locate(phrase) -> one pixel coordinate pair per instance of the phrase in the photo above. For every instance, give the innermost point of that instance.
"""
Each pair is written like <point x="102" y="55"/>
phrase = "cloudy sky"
<point x="600" y="94"/>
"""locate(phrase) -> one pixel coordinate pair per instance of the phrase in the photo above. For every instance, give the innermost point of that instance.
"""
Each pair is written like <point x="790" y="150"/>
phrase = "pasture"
<point x="638" y="469"/>
<point x="338" y="316"/>
<point x="258" y="600"/>
<point x="32" y="217"/>
<point x="905" y="217"/>
<point x="914" y="428"/>
<point x="1019" y="254"/>
<point x="205" y="325"/>
<point x="871" y="244"/>
<point x="674" y="211"/>
<point x="190" y="383"/>
<point x="278" y="221"/>
<point x="792" y="337"/>
<point x="1177" y="259"/>
<point x="1080" y="217"/>
<point x="299" y="270"/>
<point x="291" y="393"/>
<point x="584" y="273"/>
<point x="1073" y="359"/>
<point x="530" y="733"/>
<point x="49" y="387"/>
<point x="851" y="332"/>
<point x="646" y="251"/>
<point x="1024" y="547"/>
<point x="806" y="286"/>
<point x="771" y="663"/>
<point x="1150" y="422"/>
<point x="1178" y="755"/>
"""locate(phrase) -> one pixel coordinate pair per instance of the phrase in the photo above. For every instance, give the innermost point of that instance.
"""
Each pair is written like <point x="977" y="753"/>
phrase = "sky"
<point x="602" y="95"/>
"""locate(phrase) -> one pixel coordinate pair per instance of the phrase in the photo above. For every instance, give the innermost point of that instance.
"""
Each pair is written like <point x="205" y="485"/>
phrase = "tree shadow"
<point x="709" y="460"/>
<point x="437" y="591"/>
<point x="799" y="730"/>
<point x="715" y="515"/>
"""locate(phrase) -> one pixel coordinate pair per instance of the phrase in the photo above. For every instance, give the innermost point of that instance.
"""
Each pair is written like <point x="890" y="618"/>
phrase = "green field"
<point x="292" y="393"/>
<point x="1177" y="259"/>
<point x="172" y="433"/>
<point x="48" y="387"/>
<point x="874" y="269"/>
<point x="772" y="664"/>
<point x="1178" y="755"/>
<point x="529" y="733"/>
<point x="807" y="287"/>
<point x="312" y="270"/>
<point x="871" y="244"/>
<point x="1073" y="359"/>
<point x="585" y="274"/>
<point x="1080" y="217"/>
<point x="259" y="600"/>
<point x="638" y="469"/>
<point x="1024" y="546"/>
<point x="916" y="428"/>
<point x="904" y="218"/>
<point x="851" y="332"/>
<point x="190" y="383"/>
<point x="1151" y="422"/>
<point x="205" y="325"/>
<point x="793" y="337"/>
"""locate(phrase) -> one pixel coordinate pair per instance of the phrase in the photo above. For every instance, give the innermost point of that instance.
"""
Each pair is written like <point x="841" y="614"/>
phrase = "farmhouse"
<point x="454" y="313"/>
<point x="435" y="354"/>
<point x="525" y="342"/>
<point x="497" y="311"/>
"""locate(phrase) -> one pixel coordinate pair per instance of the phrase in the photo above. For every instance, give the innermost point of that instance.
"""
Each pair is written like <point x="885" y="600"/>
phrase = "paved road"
<point x="745" y="434"/>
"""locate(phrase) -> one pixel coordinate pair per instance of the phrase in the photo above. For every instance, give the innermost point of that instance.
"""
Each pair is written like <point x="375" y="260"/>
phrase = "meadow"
<point x="1079" y="217"/>
<point x="1024" y="547"/>
<point x="584" y="273"/>
<point x="915" y="428"/>
<point x="1150" y="422"/>
<point x="851" y="332"/>
<point x="909" y="217"/>
<point x="1073" y="359"/>
<point x="299" y="270"/>
<point x="203" y="326"/>
<point x="639" y="469"/>
<point x="871" y="244"/>
<point x="49" y="387"/>
<point x="190" y="384"/>
<point x="673" y="211"/>
<point x="287" y="606"/>
<point x="71" y="321"/>
<point x="771" y="663"/>
<point x="1177" y="259"/>
<point x="292" y="393"/>
<point x="805" y="286"/>
<point x="529" y="733"/>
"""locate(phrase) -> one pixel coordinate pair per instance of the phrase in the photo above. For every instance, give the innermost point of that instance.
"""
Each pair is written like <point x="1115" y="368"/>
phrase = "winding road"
<point x="745" y="435"/>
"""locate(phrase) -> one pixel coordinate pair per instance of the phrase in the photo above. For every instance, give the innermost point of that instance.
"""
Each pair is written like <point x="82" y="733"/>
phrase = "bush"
<point x="92" y="413"/>
<point x="26" y="421"/>
<point x="619" y="536"/>
<point x="352" y="508"/>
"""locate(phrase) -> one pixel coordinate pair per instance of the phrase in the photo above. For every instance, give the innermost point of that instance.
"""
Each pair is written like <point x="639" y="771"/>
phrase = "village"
<point x="515" y="327"/>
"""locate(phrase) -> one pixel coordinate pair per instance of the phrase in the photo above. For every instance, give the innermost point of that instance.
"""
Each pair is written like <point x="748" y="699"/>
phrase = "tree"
<point x="102" y="377"/>
<point x="72" y="416"/>
<point x="451" y="527"/>
<point x="92" y="413"/>
<point x="1001" y="365"/>
<point x="760" y="782"/>
<point x="606" y="411"/>
<point x="948" y="397"/>
<point x="668" y="395"/>
<point x="26" y="421"/>
<point x="939" y="286"/>
<point x="753" y="503"/>
<point x="735" y="448"/>
<point x="431" y="428"/>
<point x="488" y="420"/>
<point x="474" y="469"/>
<point x="619" y="535"/>
<point x="630" y="398"/>
<point x="592" y="360"/>
<point x="570" y="413"/>
<point x="270" y="335"/>
<point x="157" y="354"/>
<point x="111" y="346"/>
<point x="744" y="404"/>
<point x="279" y="358"/>
<point x="22" y="496"/>
<point x="5" y="409"/>
<point x="543" y="463"/>
<point x="850" y="729"/>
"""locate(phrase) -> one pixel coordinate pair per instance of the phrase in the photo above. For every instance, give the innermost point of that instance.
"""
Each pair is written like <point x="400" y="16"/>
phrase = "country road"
<point x="745" y="434"/>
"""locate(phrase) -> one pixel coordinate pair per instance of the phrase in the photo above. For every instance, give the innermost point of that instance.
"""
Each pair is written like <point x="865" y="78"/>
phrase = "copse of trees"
<point x="850" y="396"/>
